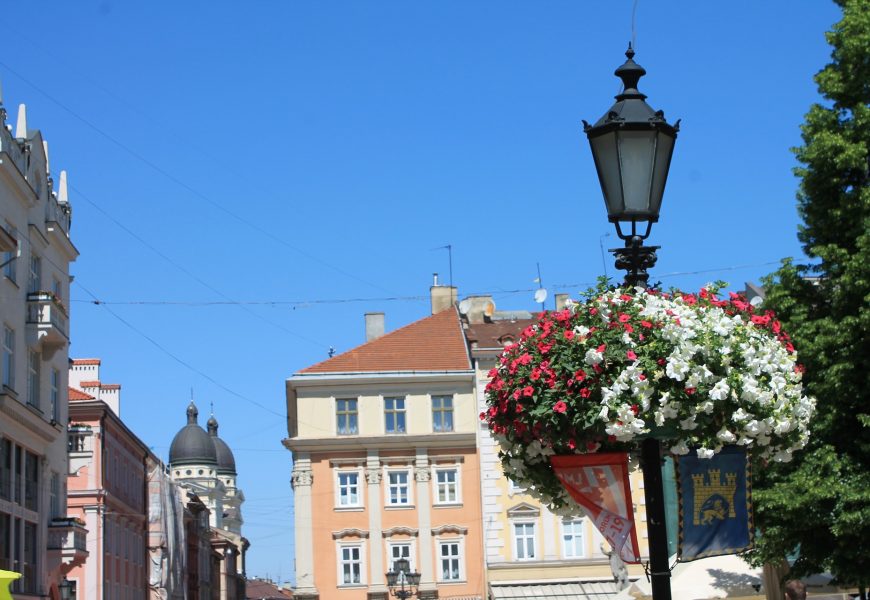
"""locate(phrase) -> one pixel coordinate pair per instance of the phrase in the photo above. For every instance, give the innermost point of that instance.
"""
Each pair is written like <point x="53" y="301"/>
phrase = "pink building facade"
<point x="107" y="490"/>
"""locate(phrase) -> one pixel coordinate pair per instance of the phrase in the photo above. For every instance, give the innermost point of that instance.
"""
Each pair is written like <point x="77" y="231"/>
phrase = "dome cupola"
<point x="192" y="445"/>
<point x="226" y="462"/>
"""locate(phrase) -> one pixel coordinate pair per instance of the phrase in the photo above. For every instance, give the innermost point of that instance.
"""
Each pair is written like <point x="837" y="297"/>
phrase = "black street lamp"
<point x="396" y="580"/>
<point x="67" y="589"/>
<point x="632" y="145"/>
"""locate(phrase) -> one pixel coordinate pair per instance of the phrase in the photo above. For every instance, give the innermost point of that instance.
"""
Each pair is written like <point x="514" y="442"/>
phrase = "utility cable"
<point x="169" y="176"/>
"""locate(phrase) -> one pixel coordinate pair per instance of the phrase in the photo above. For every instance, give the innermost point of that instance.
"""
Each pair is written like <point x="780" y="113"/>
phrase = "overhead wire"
<point x="180" y="183"/>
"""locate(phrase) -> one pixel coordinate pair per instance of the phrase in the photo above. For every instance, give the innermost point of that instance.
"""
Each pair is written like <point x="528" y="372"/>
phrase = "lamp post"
<point x="402" y="575"/>
<point x="632" y="146"/>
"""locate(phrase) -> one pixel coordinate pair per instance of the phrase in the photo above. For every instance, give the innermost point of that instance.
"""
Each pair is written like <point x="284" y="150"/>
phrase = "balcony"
<point x="47" y="322"/>
<point x="67" y="542"/>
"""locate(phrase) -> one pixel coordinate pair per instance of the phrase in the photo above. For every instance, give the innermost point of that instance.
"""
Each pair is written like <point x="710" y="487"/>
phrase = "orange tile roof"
<point x="85" y="384"/>
<point x="435" y="343"/>
<point x="110" y="386"/>
<point x="75" y="394"/>
<point x="86" y="361"/>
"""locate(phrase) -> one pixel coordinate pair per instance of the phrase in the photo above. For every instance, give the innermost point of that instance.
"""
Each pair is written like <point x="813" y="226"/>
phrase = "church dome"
<point x="226" y="462"/>
<point x="192" y="445"/>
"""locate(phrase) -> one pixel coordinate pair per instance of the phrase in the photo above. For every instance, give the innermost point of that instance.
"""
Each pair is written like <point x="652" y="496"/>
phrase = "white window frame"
<point x="359" y="488"/>
<point x="516" y="539"/>
<point x="8" y="357"/>
<point x="410" y="488"/>
<point x="437" y="485"/>
<point x="54" y="394"/>
<point x="441" y="410"/>
<point x="34" y="364"/>
<point x="340" y="562"/>
<point x="439" y="572"/>
<point x="395" y="412"/>
<point x="412" y="553"/>
<point x="347" y="414"/>
<point x="572" y="523"/>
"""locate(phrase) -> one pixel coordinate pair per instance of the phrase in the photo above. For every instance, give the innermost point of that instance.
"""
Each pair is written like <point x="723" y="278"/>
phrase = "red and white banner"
<point x="599" y="483"/>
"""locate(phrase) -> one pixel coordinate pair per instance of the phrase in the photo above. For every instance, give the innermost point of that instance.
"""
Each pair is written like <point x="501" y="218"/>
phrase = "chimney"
<point x="478" y="306"/>
<point x="374" y="325"/>
<point x="561" y="299"/>
<point x="443" y="296"/>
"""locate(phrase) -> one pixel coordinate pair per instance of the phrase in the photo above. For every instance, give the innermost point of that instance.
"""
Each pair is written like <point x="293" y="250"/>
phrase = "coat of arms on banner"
<point x="715" y="504"/>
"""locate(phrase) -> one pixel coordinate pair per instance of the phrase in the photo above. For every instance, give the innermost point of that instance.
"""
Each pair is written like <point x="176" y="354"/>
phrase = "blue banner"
<point x="715" y="504"/>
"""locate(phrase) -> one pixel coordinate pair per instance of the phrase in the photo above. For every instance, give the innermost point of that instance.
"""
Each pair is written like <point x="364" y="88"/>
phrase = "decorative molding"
<point x="350" y="532"/>
<point x="303" y="478"/>
<point x="523" y="510"/>
<point x="382" y="442"/>
<point x="347" y="462"/>
<point x="400" y="531"/>
<point x="373" y="476"/>
<point x="446" y="459"/>
<point x="422" y="474"/>
<point x="450" y="529"/>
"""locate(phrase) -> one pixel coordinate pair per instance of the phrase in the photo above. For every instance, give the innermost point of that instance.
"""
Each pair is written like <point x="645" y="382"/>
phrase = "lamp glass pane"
<point x="636" y="156"/>
<point x="664" y="151"/>
<point x="604" y="151"/>
<point x="391" y="578"/>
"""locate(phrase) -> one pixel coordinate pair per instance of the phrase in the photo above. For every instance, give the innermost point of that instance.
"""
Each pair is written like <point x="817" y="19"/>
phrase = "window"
<point x="398" y="488"/>
<point x="394" y="413"/>
<point x="442" y="413"/>
<point x="5" y="542"/>
<point x="348" y="489"/>
<point x="33" y="363"/>
<point x="54" y="498"/>
<point x="398" y="551"/>
<point x="450" y="561"/>
<point x="8" y="357"/>
<point x="55" y="395"/>
<point x="350" y="565"/>
<point x="31" y="481"/>
<point x="5" y="470"/>
<point x="35" y="281"/>
<point x="446" y="486"/>
<point x="524" y="541"/>
<point x="56" y="288"/>
<point x="9" y="257"/>
<point x="573" y="545"/>
<point x="346" y="416"/>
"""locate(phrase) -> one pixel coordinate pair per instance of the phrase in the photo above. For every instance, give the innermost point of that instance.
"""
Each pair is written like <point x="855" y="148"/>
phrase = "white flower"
<point x="680" y="448"/>
<point x="740" y="415"/>
<point x="726" y="436"/>
<point x="720" y="391"/>
<point x="705" y="453"/>
<point x="783" y="456"/>
<point x="688" y="424"/>
<point x="593" y="357"/>
<point x="603" y="415"/>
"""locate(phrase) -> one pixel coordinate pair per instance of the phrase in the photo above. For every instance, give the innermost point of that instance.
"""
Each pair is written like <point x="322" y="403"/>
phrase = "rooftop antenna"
<point x="449" y="248"/>
<point x="331" y="351"/>
<point x="601" y="245"/>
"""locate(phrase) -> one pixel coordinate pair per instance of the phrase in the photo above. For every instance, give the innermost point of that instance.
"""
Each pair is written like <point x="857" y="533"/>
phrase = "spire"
<point x="212" y="426"/>
<point x="62" y="195"/>
<point x="630" y="72"/>
<point x="192" y="413"/>
<point x="21" y="125"/>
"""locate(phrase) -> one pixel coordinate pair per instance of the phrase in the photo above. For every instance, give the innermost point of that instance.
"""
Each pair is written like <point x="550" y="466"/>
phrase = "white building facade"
<point x="36" y="539"/>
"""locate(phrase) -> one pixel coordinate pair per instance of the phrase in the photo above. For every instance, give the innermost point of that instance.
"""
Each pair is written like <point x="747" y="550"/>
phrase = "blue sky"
<point x="297" y="152"/>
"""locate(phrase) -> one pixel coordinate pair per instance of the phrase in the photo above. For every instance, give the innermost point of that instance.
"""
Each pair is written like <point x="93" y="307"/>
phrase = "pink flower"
<point x="528" y="390"/>
<point x="560" y="407"/>
<point x="631" y="355"/>
<point x="624" y="318"/>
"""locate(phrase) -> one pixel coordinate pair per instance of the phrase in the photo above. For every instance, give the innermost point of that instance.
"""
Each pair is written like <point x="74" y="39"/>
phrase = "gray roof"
<point x="192" y="445"/>
<point x="226" y="462"/>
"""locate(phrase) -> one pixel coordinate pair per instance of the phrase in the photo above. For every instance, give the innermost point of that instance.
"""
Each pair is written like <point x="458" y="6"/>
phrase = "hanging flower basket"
<point x="692" y="370"/>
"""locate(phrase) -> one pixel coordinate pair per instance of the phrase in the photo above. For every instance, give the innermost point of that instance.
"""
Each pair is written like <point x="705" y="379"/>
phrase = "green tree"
<point x="818" y="506"/>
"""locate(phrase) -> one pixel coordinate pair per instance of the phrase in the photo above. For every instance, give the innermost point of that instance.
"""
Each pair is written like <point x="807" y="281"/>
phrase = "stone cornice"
<point x="381" y="442"/>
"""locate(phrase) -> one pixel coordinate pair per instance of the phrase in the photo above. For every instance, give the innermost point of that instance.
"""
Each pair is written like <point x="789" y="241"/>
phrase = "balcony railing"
<point x="47" y="320"/>
<point x="67" y="540"/>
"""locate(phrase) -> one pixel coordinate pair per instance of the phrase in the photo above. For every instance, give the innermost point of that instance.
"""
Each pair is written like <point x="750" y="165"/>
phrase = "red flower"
<point x="536" y="374"/>
<point x="624" y="318"/>
<point x="628" y="328"/>
<point x="625" y="298"/>
<point x="585" y="392"/>
<point x="528" y="390"/>
<point x="482" y="416"/>
<point x="560" y="407"/>
<point x="601" y="348"/>
<point x="572" y="444"/>
<point x="690" y="390"/>
<point x="631" y="355"/>
<point x="525" y="359"/>
<point x="635" y="408"/>
<point x="646" y="324"/>
<point x="580" y="375"/>
<point x="569" y="334"/>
